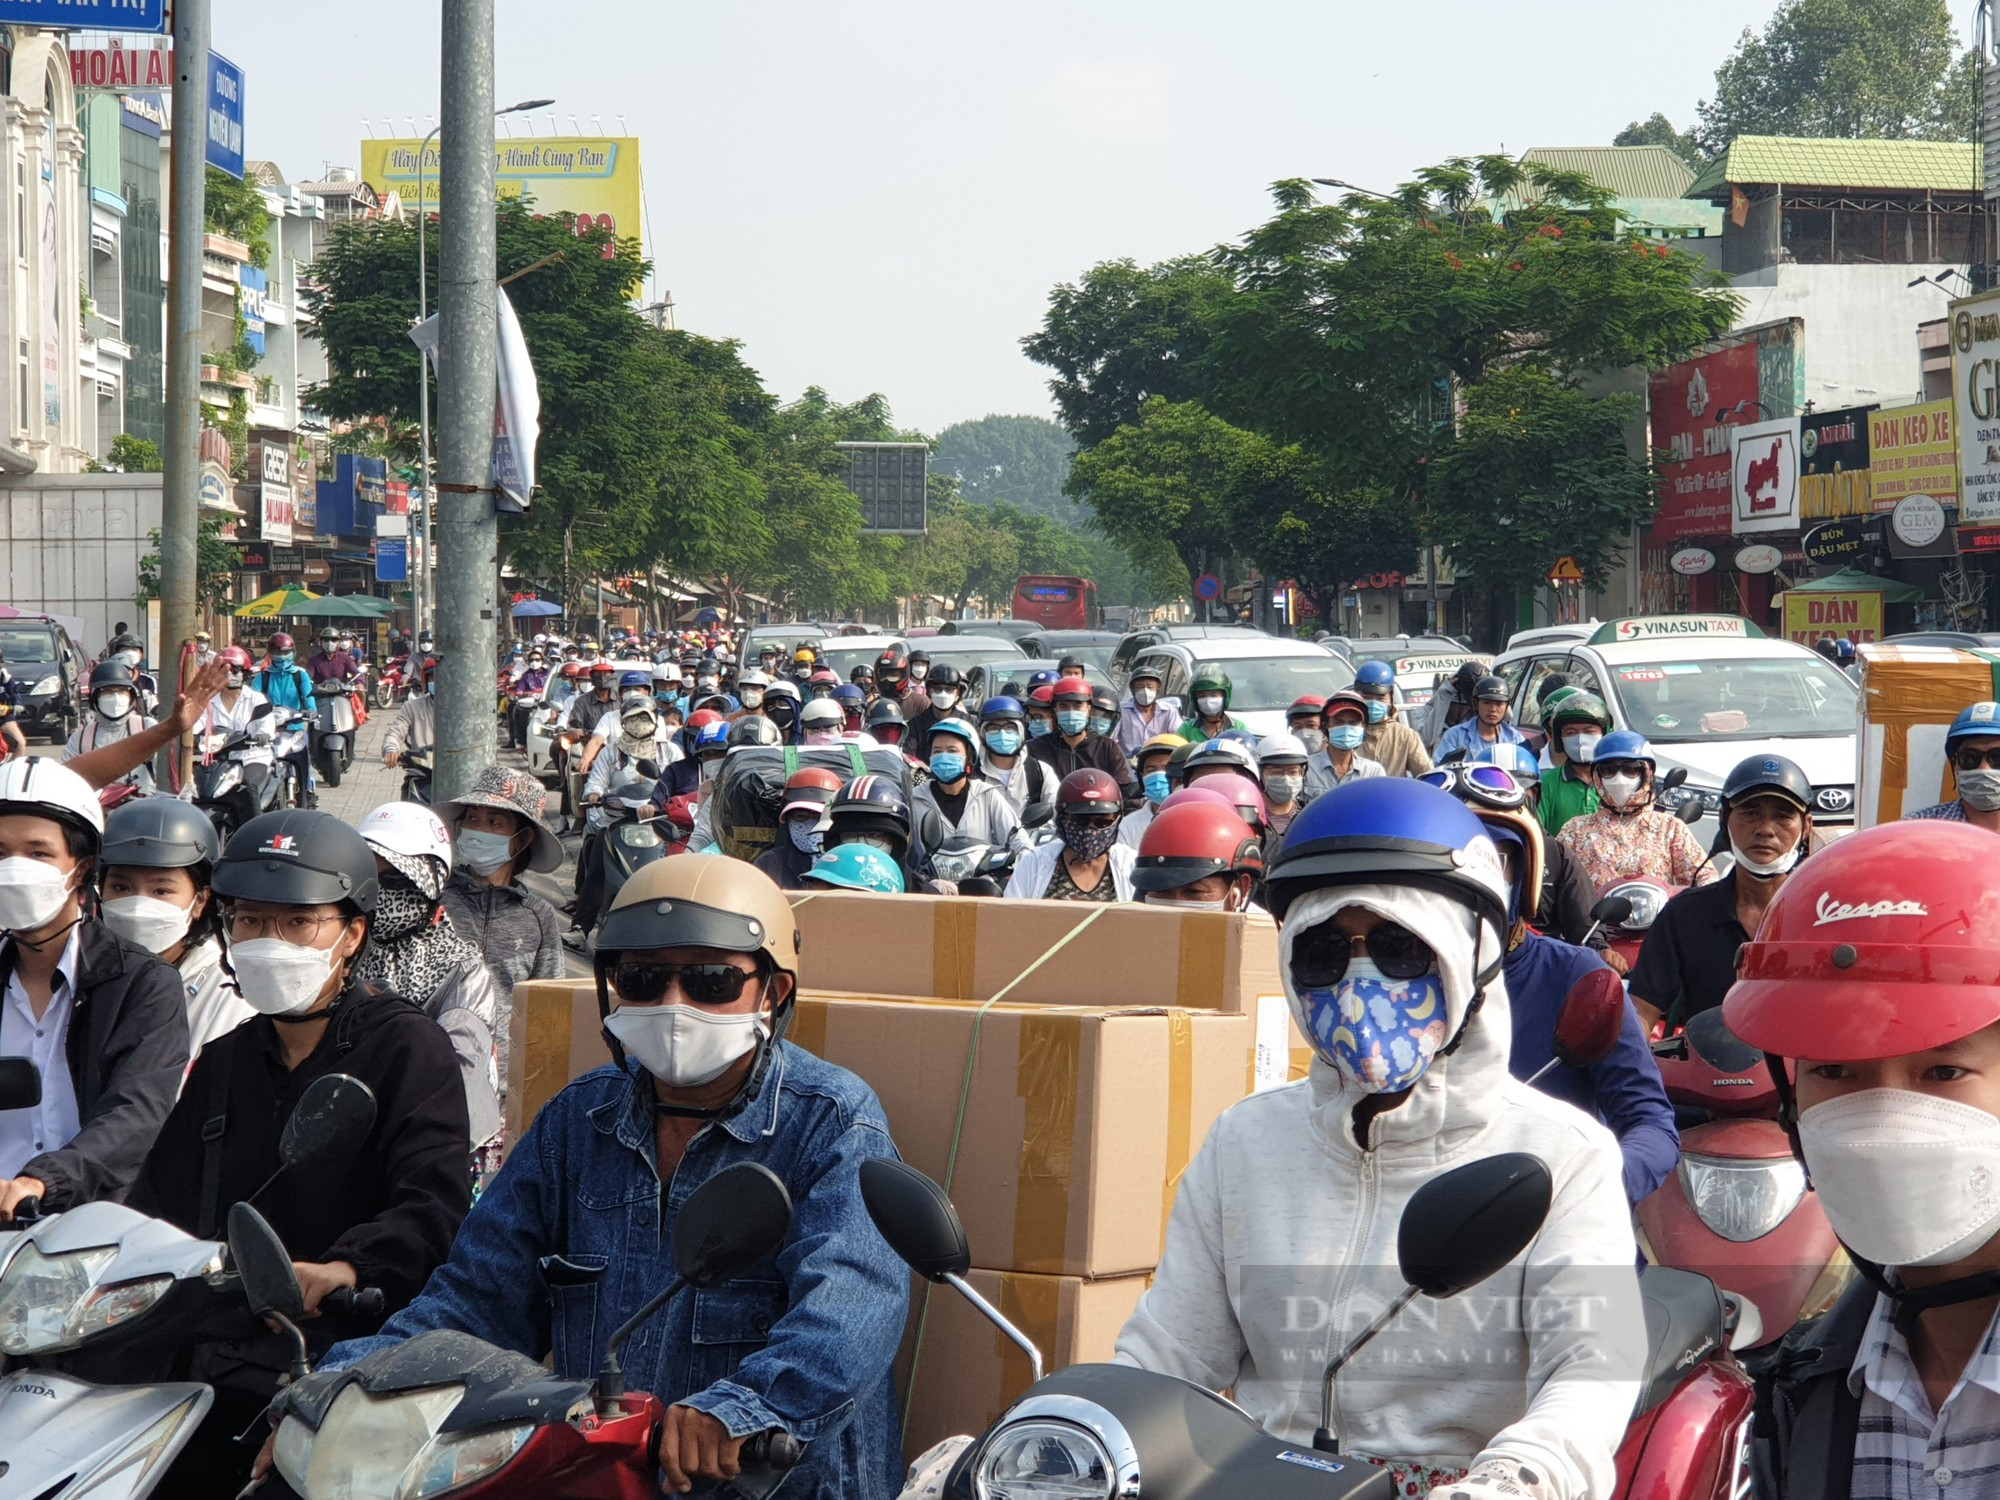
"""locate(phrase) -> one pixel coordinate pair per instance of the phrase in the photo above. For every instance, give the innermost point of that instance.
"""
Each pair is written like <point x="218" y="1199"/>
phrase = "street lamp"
<point x="424" y="374"/>
<point x="1335" y="182"/>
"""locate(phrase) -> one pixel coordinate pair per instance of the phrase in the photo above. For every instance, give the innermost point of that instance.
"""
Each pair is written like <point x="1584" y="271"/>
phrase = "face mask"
<point x="639" y="725"/>
<point x="947" y="768"/>
<point x="1003" y="741"/>
<point x="1158" y="786"/>
<point x="1086" y="838"/>
<point x="1209" y="705"/>
<point x="1619" y="791"/>
<point x="131" y="658"/>
<point x="280" y="978"/>
<point x="919" y="672"/>
<point x="681" y="1045"/>
<point x="235" y="679"/>
<point x="1072" y="720"/>
<point x="705" y="684"/>
<point x="153" y="924"/>
<point x="1145" y="697"/>
<point x="822" y="736"/>
<point x="1154" y="898"/>
<point x="1979" y="790"/>
<point x="807" y="837"/>
<point x="1313" y="739"/>
<point x="31" y="893"/>
<point x="1346" y="736"/>
<point x="283" y="658"/>
<point x="711" y="767"/>
<point x="753" y="697"/>
<point x="114" y="705"/>
<point x="1907" y="1179"/>
<point x="482" y="853"/>
<point x="1780" y="866"/>
<point x="1381" y="1033"/>
<point x="1283" y="790"/>
<point x="1038" y="727"/>
<point x="1378" y="710"/>
<point x="1580" y="747"/>
<point x="943" y="698"/>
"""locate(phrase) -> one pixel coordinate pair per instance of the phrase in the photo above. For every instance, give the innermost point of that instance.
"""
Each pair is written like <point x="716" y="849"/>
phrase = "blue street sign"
<point x="225" y="115"/>
<point x="87" y="15"/>
<point x="392" y="560"/>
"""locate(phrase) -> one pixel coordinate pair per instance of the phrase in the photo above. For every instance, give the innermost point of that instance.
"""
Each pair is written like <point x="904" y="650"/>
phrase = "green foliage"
<point x="214" y="560"/>
<point x="1660" y="131"/>
<point x="1852" y="68"/>
<point x="136" y="455"/>
<point x="236" y="210"/>
<point x="1024" y="460"/>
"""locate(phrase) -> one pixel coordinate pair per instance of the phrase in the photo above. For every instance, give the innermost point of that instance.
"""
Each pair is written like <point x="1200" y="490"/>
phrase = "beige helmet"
<point x="702" y="901"/>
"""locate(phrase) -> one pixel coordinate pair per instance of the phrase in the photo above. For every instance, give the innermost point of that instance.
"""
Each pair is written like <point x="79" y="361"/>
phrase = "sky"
<point x="878" y="195"/>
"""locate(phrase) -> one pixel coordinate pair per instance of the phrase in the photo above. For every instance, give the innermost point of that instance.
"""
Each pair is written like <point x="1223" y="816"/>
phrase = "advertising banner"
<point x="517" y="414"/>
<point x="275" y="494"/>
<point x="1811" y="617"/>
<point x="1975" y="379"/>
<point x="1833" y="463"/>
<point x="256" y="294"/>
<point x="86" y="15"/>
<point x="594" y="177"/>
<point x="1687" y="402"/>
<point x="1912" y="450"/>
<point x="1764" y="489"/>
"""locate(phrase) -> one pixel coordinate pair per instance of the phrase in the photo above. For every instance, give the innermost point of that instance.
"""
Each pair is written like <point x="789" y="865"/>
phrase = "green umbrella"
<point x="1854" y="581"/>
<point x="344" y="607"/>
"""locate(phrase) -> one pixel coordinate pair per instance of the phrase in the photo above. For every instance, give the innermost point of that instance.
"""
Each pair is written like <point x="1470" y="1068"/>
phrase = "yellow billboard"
<point x="594" y="177"/>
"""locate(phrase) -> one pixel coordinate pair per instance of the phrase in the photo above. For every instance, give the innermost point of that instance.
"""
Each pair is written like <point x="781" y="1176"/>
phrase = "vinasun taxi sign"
<point x="1674" y="627"/>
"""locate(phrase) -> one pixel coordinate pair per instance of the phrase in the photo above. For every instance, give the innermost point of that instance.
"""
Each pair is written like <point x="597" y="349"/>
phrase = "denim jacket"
<point x="570" y="1240"/>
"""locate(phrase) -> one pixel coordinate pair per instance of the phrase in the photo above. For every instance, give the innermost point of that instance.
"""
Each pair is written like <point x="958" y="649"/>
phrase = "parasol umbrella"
<point x="303" y="604"/>
<point x="536" y="609"/>
<point x="709" y="615"/>
<point x="278" y="602"/>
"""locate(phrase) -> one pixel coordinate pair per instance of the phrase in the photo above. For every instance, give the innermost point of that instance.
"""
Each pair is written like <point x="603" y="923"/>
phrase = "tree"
<point x="235" y="209"/>
<point x="1304" y="522"/>
<point x="1850" y="68"/>
<point x="1660" y="131"/>
<point x="214" y="565"/>
<point x="136" y="455"/>
<point x="1020" y="459"/>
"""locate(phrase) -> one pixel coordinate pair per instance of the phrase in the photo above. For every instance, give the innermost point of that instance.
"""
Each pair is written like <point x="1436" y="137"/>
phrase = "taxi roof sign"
<point x="1674" y="627"/>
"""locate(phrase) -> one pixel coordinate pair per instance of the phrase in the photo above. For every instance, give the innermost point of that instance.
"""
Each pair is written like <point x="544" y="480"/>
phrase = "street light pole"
<point x="180" y="505"/>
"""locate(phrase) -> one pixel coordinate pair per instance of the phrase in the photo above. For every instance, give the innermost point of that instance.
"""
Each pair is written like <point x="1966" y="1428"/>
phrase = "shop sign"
<point x="1982" y="539"/>
<point x="1811" y="617"/>
<point x="1975" y="378"/>
<point x="118" y="67"/>
<point x="1833" y="463"/>
<point x="275" y="494"/>
<point x="214" y="489"/>
<point x="87" y="15"/>
<point x="1691" y="562"/>
<point x="1760" y="558"/>
<point x="1687" y="402"/>
<point x="253" y="557"/>
<point x="317" y="570"/>
<point x="1917" y="520"/>
<point x="1912" y="450"/>
<point x="1764" y="490"/>
<point x="1837" y="539"/>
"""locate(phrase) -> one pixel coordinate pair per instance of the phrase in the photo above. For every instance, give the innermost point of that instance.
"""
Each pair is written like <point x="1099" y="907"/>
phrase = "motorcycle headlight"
<point x="49" y="684"/>
<point x="455" y="1459"/>
<point x="389" y="1447"/>
<point x="1742" y="1200"/>
<point x="39" y="1294"/>
<point x="230" y="777"/>
<point x="639" y="836"/>
<point x="1043" y="1460"/>
<point x="1648" y="901"/>
<point x="1671" y="801"/>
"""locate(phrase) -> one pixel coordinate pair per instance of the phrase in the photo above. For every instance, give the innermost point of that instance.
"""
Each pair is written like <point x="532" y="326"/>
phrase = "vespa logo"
<point x="1830" y="910"/>
<point x="1834" y="799"/>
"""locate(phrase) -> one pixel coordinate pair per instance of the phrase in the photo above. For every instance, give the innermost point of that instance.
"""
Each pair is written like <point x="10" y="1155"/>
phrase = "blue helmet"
<point x="849" y="692"/>
<point x="857" y="867"/>
<point x="1042" y="678"/>
<point x="1001" y="707"/>
<point x="1389" y="830"/>
<point x="1518" y="759"/>
<point x="641" y="680"/>
<point x="1375" y="674"/>
<point x="1844" y="649"/>
<point x="713" y="736"/>
<point x="1623" y="744"/>
<point x="1980" y="718"/>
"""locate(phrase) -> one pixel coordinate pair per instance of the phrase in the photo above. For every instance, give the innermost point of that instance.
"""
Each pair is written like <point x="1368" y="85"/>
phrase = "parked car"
<point x="1011" y="630"/>
<point x="787" y="638"/>
<point x="1266" y="673"/>
<point x="52" y="672"/>
<point x="1133" y="642"/>
<point x="1094" y="647"/>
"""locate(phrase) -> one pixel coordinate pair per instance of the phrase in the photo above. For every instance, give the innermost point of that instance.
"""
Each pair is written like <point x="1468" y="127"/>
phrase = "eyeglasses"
<point x="1483" y="785"/>
<point x="300" y="928"/>
<point x="1320" y="954"/>
<point x="1972" y="760"/>
<point x="704" y="984"/>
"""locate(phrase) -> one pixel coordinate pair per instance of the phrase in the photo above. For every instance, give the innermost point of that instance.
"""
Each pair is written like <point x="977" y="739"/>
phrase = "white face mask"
<point x="1209" y="706"/>
<point x="943" y="698"/>
<point x="682" y="1045"/>
<point x="752" y="697"/>
<point x="130" y="658"/>
<point x="114" y="705"/>
<point x="1619" y="791"/>
<point x="1907" y="1179"/>
<point x="482" y="853"/>
<point x="1154" y="898"/>
<point x="1779" y="866"/>
<point x="1144" y="696"/>
<point x="280" y="978"/>
<point x="153" y="924"/>
<point x="1580" y="747"/>
<point x="32" y="891"/>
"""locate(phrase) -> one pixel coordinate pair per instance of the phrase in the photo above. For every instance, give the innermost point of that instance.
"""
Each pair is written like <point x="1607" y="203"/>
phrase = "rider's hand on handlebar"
<point x="13" y="1190"/>
<point x="390" y="757"/>
<point x="317" y="1278"/>
<point x="694" y="1445"/>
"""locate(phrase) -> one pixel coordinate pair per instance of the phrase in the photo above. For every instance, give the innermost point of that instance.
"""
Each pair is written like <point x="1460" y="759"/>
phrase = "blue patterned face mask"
<point x="1381" y="1033"/>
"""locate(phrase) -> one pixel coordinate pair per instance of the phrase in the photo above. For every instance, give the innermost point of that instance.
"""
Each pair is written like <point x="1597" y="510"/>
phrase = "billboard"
<point x="892" y="482"/>
<point x="87" y="15"/>
<point x="275" y="493"/>
<point x="594" y="177"/>
<point x="1811" y="617"/>
<point x="1765" y="476"/>
<point x="1688" y="402"/>
<point x="1975" y="380"/>
<point x="1833" y="463"/>
<point x="1913" y="450"/>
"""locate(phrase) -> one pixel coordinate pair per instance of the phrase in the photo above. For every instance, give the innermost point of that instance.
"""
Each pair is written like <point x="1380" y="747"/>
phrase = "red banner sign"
<point x="1688" y="401"/>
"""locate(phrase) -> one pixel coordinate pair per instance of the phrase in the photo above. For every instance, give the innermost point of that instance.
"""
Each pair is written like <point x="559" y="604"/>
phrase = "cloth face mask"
<point x="1381" y="1033"/>
<point x="681" y="1045"/>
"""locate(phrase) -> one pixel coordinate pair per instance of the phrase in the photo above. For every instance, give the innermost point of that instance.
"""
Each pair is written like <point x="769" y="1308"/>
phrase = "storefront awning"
<point x="1854" y="581"/>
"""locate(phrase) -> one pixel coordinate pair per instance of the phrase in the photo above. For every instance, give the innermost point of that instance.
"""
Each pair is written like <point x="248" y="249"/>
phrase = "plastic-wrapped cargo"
<point x="750" y="787"/>
<point x="1909" y="696"/>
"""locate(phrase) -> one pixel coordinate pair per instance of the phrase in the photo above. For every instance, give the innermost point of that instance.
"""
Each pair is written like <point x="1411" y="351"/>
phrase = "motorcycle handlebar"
<point x="27" y="1211"/>
<point x="775" y="1449"/>
<point x="359" y="1302"/>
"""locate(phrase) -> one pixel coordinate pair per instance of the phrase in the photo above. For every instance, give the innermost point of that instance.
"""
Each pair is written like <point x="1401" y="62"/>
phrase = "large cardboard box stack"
<point x="1056" y="1065"/>
<point x="1909" y="696"/>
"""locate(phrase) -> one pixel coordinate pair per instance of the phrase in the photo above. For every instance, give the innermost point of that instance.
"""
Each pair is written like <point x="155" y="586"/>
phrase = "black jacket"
<point x="784" y="862"/>
<point x="1096" y="750"/>
<point x="1803" y="1446"/>
<point x="127" y="1049"/>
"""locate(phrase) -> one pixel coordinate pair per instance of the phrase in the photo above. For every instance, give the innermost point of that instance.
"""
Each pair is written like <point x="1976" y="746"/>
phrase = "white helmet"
<point x="753" y="678"/>
<point x="822" y="711"/>
<point x="41" y="787"/>
<point x="1281" y="749"/>
<point x="541" y="637"/>
<point x="408" y="829"/>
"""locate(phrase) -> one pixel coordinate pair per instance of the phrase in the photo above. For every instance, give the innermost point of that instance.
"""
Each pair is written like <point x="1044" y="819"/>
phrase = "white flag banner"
<point x="517" y="411"/>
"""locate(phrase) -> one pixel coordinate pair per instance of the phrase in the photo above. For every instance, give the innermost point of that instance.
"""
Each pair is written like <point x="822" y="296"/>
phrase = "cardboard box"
<point x="1909" y="696"/>
<point x="967" y="1372"/>
<point x="962" y="948"/>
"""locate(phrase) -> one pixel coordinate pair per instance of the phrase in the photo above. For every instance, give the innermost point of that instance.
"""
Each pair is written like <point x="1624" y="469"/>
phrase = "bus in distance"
<point x="1055" y="602"/>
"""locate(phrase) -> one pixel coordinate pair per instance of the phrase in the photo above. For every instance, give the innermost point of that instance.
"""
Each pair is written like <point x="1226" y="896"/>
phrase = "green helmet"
<point x="1574" y="705"/>
<point x="1211" y="680"/>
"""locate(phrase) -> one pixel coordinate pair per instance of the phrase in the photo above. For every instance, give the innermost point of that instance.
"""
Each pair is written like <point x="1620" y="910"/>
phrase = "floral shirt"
<point x="1611" y="846"/>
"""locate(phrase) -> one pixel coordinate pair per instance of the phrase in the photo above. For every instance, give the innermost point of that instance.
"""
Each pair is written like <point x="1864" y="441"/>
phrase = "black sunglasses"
<point x="704" y="984"/>
<point x="1320" y="954"/>
<point x="1972" y="760"/>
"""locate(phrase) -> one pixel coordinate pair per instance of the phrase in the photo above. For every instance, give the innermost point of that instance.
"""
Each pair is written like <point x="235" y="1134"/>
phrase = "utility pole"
<point x="467" y="601"/>
<point x="180" y="510"/>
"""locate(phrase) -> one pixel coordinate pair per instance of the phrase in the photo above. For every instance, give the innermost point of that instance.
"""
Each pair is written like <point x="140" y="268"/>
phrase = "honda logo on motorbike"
<point x="1834" y="799"/>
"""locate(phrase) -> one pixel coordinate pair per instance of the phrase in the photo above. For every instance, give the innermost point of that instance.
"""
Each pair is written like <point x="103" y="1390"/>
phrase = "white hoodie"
<point x="1282" y="1243"/>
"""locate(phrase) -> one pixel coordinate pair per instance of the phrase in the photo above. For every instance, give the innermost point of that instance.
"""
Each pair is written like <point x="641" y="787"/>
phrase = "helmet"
<point x="408" y="829"/>
<point x="298" y="857"/>
<point x="1491" y="690"/>
<point x="752" y="729"/>
<point x="1389" y="830"/>
<point x="1843" y="649"/>
<point x="703" y="901"/>
<point x="894" y="659"/>
<point x="1042" y="696"/>
<point x="962" y="728"/>
<point x="328" y="633"/>
<point x="159" y="833"/>
<point x="279" y="641"/>
<point x="1146" y="670"/>
<point x="862" y="673"/>
<point x="1245" y="795"/>
<point x="1042" y="678"/>
<point x="1212" y="795"/>
<point x="1211" y="680"/>
<point x="850" y="694"/>
<point x="713" y="736"/>
<point x="603" y="668"/>
<point x="43" y="788"/>
<point x="1309" y="704"/>
<point x="643" y="681"/>
<point x="994" y="710"/>
<point x="1171" y="743"/>
<point x="1885" y="942"/>
<point x="1233" y="755"/>
<point x="1579" y="707"/>
<point x="1072" y="663"/>
<point x="824" y="677"/>
<point x="1623" y="744"/>
<point x="872" y="804"/>
<point x="1070" y="690"/>
<point x="782" y="689"/>
<point x="1375" y="674"/>
<point x="1517" y="760"/>
<point x="110" y="674"/>
<point x="1552" y="684"/>
<point x="236" y="657"/>
<point x="1177" y="762"/>
<point x="920" y="655"/>
<point x="857" y="867"/>
<point x="1762" y="775"/>
<point x="751" y="678"/>
<point x="1346" y="698"/>
<point x="701" y="718"/>
<point x="1281" y="750"/>
<point x="1466" y="679"/>
<point x="1101" y="701"/>
<point x="1087" y="790"/>
<point x="1191" y="842"/>
<point x="1977" y="719"/>
<point x="811" y="787"/>
<point x="884" y="711"/>
<point x="1502" y="805"/>
<point x="944" y="675"/>
<point x="821" y="711"/>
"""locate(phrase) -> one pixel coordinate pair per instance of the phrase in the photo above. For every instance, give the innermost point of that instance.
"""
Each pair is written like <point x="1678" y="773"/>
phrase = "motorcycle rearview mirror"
<point x="728" y="1224"/>
<point x="270" y="1284"/>
<point x="1690" y="811"/>
<point x="916" y="1217"/>
<point x="261" y="711"/>
<point x="331" y="1120"/>
<point x="649" y="768"/>
<point x="1590" y="1022"/>
<point x="1457" y="1229"/>
<point x="1676" y="777"/>
<point x="20" y="1083"/>
<point x="1610" y="911"/>
<point x="1715" y="1044"/>
<point x="1039" y="816"/>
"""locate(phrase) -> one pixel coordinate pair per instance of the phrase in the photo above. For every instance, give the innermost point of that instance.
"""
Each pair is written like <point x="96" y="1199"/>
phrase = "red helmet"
<point x="701" y="718"/>
<point x="1087" y="790"/>
<point x="601" y="666"/>
<point x="892" y="659"/>
<point x="1347" y="698"/>
<point x="810" y="787"/>
<point x="1043" y="696"/>
<point x="236" y="657"/>
<point x="1204" y="791"/>
<point x="279" y="641"/>
<point x="823" y="677"/>
<point x="1309" y="703"/>
<point x="1068" y="690"/>
<point x="1191" y="842"/>
<point x="1884" y="943"/>
<point x="574" y="669"/>
<point x="1244" y="795"/>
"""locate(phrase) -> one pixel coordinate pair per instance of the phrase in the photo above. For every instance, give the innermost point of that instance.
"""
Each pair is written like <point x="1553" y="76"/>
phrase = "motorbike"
<point x="976" y="868"/>
<point x="333" y="732"/>
<point x="102" y="1304"/>
<point x="391" y="682"/>
<point x="231" y="787"/>
<point x="540" y="736"/>
<point x="416" y="765"/>
<point x="1627" y="909"/>
<point x="519" y="708"/>
<point x="628" y="842"/>
<point x="446" y="1411"/>
<point x="1738" y="1208"/>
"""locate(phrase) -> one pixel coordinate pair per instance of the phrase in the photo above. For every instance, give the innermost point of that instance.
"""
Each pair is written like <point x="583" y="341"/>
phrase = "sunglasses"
<point x="1972" y="760"/>
<point x="704" y="984"/>
<point x="1483" y="785"/>
<point x="1320" y="954"/>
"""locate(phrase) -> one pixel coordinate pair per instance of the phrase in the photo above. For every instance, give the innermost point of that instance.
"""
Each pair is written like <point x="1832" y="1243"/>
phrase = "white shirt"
<point x="1903" y="1450"/>
<point x="49" y="1126"/>
<point x="221" y="722"/>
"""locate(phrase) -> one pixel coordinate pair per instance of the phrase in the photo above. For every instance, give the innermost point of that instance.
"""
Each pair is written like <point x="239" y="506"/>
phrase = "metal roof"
<point x="1906" y="166"/>
<point x="1622" y="171"/>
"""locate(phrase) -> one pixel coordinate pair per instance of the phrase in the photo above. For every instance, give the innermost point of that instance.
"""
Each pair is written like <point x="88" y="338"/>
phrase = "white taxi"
<point x="1708" y="691"/>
